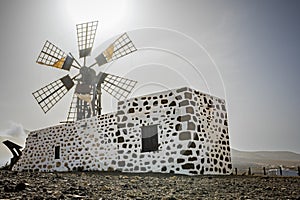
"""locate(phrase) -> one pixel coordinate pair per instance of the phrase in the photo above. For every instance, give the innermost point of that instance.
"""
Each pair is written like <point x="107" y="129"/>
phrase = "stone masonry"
<point x="180" y="131"/>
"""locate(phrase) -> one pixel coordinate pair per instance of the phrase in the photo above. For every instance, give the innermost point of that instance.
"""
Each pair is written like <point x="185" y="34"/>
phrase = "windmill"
<point x="86" y="101"/>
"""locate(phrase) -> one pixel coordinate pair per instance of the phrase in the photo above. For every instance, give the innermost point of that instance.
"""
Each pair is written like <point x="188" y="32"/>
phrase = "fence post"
<point x="249" y="172"/>
<point x="280" y="171"/>
<point x="236" y="171"/>
<point x="298" y="171"/>
<point x="265" y="171"/>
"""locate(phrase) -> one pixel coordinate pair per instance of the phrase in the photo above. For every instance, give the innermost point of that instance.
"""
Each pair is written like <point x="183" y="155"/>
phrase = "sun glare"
<point x="112" y="11"/>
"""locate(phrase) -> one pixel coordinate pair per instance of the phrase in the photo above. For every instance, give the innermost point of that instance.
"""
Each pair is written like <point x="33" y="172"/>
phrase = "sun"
<point x="112" y="11"/>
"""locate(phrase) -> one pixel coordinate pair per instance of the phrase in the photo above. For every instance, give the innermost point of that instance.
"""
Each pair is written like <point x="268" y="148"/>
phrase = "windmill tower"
<point x="88" y="84"/>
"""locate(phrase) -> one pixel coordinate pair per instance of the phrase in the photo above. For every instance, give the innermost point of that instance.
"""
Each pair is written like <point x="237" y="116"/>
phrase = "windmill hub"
<point x="88" y="75"/>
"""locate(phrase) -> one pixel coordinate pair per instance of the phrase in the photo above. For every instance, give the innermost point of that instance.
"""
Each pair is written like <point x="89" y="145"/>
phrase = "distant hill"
<point x="269" y="159"/>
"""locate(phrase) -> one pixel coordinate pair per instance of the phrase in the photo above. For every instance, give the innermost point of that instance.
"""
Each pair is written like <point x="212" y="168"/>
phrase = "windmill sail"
<point x="49" y="95"/>
<point x="53" y="56"/>
<point x="85" y="37"/>
<point x="119" y="48"/>
<point x="116" y="86"/>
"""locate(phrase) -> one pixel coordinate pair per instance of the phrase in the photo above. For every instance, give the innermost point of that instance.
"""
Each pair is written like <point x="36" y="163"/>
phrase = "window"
<point x="57" y="152"/>
<point x="149" y="138"/>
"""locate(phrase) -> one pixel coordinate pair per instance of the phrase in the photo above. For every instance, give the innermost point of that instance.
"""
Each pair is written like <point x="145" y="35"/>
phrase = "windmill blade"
<point x="116" y="86"/>
<point x="53" y="56"/>
<point x="119" y="48"/>
<point x="49" y="95"/>
<point x="85" y="37"/>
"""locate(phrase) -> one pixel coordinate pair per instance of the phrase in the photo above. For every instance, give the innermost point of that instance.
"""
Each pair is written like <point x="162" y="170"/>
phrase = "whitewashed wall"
<point x="192" y="135"/>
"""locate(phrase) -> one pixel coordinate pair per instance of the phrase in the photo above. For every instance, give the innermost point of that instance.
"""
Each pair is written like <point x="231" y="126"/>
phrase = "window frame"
<point x="57" y="152"/>
<point x="153" y="139"/>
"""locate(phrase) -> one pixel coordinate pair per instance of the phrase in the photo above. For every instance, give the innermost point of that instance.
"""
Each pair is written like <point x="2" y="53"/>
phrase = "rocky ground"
<point x="115" y="185"/>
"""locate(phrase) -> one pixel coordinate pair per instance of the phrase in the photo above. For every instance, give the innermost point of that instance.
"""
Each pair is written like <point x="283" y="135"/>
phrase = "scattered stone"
<point x="268" y="188"/>
<point x="8" y="188"/>
<point x="105" y="188"/>
<point x="20" y="187"/>
<point x="116" y="185"/>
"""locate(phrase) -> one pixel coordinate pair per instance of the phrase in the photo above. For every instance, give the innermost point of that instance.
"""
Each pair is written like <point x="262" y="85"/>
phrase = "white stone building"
<point x="180" y="131"/>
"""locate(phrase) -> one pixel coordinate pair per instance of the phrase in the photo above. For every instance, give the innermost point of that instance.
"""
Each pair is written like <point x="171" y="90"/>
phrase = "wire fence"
<point x="267" y="171"/>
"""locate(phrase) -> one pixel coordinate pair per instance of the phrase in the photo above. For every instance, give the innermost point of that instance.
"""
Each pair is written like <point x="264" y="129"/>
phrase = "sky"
<point x="246" y="52"/>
